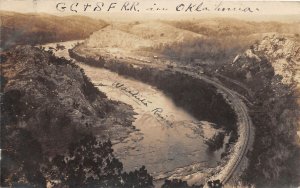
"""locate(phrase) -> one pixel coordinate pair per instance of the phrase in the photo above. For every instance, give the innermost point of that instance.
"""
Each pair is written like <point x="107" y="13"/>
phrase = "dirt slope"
<point x="139" y="35"/>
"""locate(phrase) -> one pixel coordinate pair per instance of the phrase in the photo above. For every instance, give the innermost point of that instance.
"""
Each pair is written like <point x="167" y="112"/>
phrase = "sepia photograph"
<point x="149" y="94"/>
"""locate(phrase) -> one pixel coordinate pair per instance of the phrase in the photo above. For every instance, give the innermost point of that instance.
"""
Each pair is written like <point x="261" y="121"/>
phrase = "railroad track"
<point x="244" y="120"/>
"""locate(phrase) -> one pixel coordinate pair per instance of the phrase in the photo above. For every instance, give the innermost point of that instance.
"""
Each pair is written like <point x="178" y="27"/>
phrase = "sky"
<point x="160" y="9"/>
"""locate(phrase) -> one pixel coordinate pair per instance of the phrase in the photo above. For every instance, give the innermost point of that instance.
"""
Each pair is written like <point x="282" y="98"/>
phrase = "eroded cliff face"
<point x="270" y="69"/>
<point x="284" y="55"/>
<point x="52" y="99"/>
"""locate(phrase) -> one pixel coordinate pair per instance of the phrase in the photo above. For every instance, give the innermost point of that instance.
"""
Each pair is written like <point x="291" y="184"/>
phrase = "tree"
<point x="20" y="164"/>
<point x="215" y="184"/>
<point x="90" y="163"/>
<point x="137" y="179"/>
<point x="177" y="183"/>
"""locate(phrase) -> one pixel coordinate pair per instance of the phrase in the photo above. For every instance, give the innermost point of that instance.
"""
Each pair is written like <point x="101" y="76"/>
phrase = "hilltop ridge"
<point x="18" y="28"/>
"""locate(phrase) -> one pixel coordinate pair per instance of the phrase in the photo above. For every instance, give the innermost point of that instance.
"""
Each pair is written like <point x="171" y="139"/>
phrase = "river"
<point x="168" y="140"/>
